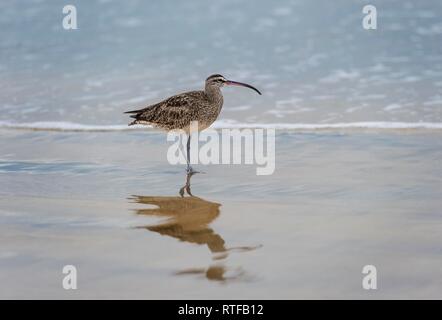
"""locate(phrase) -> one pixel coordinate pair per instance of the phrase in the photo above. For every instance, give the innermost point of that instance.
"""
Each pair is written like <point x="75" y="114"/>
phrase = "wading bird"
<point x="179" y="111"/>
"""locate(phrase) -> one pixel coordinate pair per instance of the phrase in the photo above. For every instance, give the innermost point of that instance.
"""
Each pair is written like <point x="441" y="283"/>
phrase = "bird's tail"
<point x="135" y="114"/>
<point x="134" y="111"/>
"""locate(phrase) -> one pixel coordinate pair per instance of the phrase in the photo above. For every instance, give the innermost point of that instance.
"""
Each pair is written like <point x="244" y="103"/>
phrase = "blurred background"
<point x="312" y="60"/>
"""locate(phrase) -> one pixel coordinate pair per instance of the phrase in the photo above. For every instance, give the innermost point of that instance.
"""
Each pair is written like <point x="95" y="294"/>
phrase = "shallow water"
<point x="109" y="203"/>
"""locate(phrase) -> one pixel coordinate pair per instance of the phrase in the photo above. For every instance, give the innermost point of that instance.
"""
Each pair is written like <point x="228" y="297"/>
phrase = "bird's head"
<point x="217" y="80"/>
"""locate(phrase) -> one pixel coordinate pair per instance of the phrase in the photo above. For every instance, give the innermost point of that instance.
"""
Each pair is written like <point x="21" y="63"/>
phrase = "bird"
<point x="180" y="111"/>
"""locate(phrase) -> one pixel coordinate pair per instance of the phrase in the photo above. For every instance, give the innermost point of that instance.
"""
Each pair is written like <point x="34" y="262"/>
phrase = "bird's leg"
<point x="189" y="168"/>
<point x="186" y="187"/>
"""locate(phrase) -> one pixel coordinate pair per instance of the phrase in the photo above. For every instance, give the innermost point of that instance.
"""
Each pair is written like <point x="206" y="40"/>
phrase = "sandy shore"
<point x="109" y="203"/>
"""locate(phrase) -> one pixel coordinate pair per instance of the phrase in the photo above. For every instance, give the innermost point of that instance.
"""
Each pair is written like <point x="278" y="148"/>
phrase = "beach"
<point x="356" y="181"/>
<point x="337" y="201"/>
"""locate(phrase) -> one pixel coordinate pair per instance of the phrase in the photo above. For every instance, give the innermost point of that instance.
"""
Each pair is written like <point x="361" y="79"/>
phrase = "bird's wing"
<point x="172" y="112"/>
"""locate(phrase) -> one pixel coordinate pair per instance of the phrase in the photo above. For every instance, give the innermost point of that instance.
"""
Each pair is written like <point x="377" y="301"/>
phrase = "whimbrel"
<point x="179" y="111"/>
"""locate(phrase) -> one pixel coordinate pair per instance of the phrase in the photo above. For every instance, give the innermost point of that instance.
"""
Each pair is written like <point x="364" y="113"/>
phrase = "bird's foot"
<point x="190" y="170"/>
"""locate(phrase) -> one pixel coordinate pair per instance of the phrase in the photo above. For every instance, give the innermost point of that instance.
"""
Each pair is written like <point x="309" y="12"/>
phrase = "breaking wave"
<point x="228" y="124"/>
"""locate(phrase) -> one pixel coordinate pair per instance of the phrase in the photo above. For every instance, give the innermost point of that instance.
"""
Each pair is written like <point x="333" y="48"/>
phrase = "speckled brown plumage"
<point x="177" y="112"/>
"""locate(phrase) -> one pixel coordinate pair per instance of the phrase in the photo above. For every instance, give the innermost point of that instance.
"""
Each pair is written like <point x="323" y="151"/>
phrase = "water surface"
<point x="110" y="204"/>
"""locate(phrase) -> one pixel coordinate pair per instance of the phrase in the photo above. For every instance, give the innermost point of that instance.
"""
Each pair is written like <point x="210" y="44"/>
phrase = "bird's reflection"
<point x="188" y="219"/>
<point x="214" y="273"/>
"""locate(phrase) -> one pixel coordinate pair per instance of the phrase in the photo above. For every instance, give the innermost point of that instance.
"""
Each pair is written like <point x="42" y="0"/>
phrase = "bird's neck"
<point x="213" y="93"/>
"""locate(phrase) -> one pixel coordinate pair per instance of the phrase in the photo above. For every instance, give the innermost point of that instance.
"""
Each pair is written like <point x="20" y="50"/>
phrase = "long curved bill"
<point x="240" y="84"/>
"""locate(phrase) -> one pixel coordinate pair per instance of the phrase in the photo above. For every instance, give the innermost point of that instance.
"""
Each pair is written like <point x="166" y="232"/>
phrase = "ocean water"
<point x="313" y="61"/>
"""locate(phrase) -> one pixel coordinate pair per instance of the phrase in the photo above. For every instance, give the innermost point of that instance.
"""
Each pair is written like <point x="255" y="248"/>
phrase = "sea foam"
<point x="229" y="124"/>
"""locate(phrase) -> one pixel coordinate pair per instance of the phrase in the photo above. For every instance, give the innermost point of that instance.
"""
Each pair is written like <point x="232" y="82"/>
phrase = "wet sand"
<point x="110" y="204"/>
